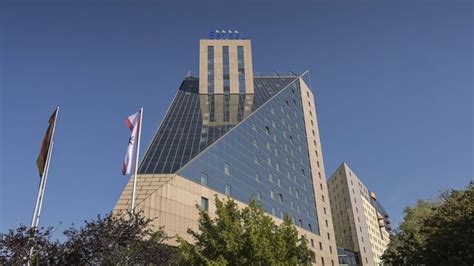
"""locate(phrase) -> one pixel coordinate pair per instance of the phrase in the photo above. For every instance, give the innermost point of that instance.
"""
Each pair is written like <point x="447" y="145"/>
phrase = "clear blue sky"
<point x="393" y="81"/>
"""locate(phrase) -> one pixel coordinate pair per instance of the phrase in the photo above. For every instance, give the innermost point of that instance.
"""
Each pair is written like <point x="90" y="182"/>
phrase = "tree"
<point x="15" y="246"/>
<point x="436" y="232"/>
<point x="117" y="240"/>
<point x="450" y="230"/>
<point x="105" y="241"/>
<point x="244" y="237"/>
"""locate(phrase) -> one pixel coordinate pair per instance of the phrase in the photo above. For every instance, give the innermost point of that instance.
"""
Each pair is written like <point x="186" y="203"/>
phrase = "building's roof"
<point x="194" y="121"/>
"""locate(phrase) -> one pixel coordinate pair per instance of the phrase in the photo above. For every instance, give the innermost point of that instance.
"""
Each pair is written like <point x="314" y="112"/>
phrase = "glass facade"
<point x="283" y="160"/>
<point x="264" y="157"/>
<point x="194" y="121"/>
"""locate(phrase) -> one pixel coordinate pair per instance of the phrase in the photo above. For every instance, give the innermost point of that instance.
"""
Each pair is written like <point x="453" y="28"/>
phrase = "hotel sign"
<point x="225" y="35"/>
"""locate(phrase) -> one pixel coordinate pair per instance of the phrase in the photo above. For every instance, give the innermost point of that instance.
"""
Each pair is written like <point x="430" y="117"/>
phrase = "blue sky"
<point x="393" y="83"/>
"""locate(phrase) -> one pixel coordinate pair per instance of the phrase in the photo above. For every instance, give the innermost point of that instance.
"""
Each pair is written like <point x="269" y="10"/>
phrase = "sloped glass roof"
<point x="194" y="121"/>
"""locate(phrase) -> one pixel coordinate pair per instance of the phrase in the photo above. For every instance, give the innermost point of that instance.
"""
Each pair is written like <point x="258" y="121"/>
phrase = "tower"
<point x="361" y="223"/>
<point x="243" y="137"/>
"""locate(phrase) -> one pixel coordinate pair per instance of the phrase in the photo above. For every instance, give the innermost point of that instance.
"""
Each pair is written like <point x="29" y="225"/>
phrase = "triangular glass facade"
<point x="264" y="157"/>
<point x="194" y="121"/>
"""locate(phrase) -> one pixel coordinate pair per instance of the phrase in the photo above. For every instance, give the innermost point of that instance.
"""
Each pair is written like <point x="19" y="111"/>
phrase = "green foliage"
<point x="244" y="237"/>
<point x="437" y="232"/>
<point x="108" y="240"/>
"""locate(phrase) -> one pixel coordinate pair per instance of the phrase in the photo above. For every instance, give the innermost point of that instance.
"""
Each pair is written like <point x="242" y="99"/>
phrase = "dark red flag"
<point x="43" y="155"/>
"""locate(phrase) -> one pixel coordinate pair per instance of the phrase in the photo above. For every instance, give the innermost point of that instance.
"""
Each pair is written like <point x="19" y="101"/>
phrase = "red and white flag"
<point x="129" y="163"/>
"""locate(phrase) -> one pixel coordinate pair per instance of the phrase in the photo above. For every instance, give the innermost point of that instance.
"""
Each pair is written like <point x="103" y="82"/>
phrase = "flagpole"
<point x="44" y="178"/>
<point x="136" y="161"/>
<point x="42" y="187"/>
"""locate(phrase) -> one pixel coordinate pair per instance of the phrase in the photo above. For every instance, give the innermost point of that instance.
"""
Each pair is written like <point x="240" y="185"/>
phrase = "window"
<point x="225" y="63"/>
<point x="312" y="243"/>
<point x="272" y="194"/>
<point x="329" y="236"/>
<point x="204" y="204"/>
<point x="241" y="69"/>
<point x="310" y="228"/>
<point x="273" y="211"/>
<point x="255" y="143"/>
<point x="267" y="129"/>
<point x="279" y="182"/>
<point x="227" y="190"/>
<point x="300" y="222"/>
<point x="204" y="179"/>
<point x="210" y="69"/>
<point x="227" y="168"/>
<point x="259" y="195"/>
<point x="270" y="177"/>
<point x="255" y="159"/>
<point x="320" y="246"/>
<point x="280" y="197"/>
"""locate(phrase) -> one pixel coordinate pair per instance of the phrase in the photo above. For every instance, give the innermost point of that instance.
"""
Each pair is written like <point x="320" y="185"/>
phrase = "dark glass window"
<point x="241" y="68"/>
<point x="204" y="204"/>
<point x="225" y="60"/>
<point x="204" y="179"/>
<point x="227" y="168"/>
<point x="227" y="190"/>
<point x="210" y="69"/>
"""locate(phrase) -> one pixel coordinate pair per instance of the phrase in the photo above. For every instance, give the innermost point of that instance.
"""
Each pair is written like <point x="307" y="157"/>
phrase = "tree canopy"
<point x="244" y="237"/>
<point x="436" y="232"/>
<point x="107" y="240"/>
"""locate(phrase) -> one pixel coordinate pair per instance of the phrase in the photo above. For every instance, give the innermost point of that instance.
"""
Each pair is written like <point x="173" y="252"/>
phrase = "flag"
<point x="43" y="155"/>
<point x="133" y="123"/>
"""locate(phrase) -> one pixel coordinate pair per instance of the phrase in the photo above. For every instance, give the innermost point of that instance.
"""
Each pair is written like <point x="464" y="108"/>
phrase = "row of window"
<point x="226" y="67"/>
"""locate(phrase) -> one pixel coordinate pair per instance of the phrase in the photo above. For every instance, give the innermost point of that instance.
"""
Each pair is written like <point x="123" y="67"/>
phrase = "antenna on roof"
<point x="275" y="73"/>
<point x="189" y="74"/>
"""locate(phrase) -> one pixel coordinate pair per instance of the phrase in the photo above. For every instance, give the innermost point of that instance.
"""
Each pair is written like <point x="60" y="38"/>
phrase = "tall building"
<point x="360" y="222"/>
<point x="230" y="133"/>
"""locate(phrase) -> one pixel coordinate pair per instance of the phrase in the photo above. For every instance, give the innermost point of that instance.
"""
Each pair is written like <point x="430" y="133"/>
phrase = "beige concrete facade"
<point x="171" y="201"/>
<point x="357" y="223"/>
<point x="218" y="65"/>
<point x="327" y="253"/>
